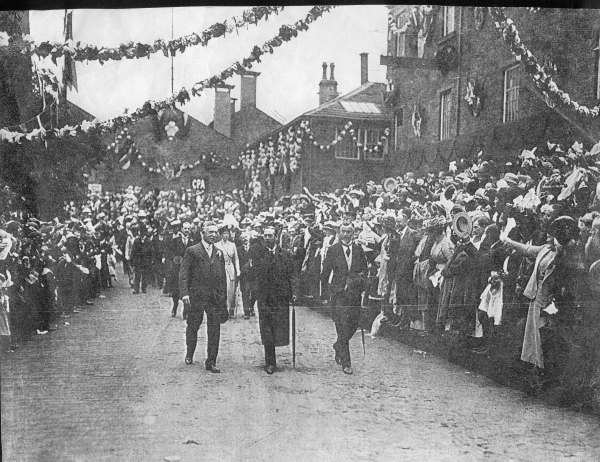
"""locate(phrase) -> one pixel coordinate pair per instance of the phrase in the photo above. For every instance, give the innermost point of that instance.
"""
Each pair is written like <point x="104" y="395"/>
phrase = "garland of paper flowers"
<point x="540" y="77"/>
<point x="286" y="33"/>
<point x="131" y="50"/>
<point x="285" y="157"/>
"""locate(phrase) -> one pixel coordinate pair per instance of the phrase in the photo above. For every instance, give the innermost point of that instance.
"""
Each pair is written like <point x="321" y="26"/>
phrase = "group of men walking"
<point x="270" y="278"/>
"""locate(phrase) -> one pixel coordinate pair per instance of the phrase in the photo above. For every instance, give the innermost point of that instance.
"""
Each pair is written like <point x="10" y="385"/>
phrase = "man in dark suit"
<point x="203" y="289"/>
<point x="142" y="256"/>
<point x="348" y="263"/>
<point x="177" y="246"/>
<point x="272" y="271"/>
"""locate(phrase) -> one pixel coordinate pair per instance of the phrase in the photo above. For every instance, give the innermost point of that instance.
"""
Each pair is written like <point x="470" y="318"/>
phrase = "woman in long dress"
<point x="232" y="266"/>
<point x="548" y="283"/>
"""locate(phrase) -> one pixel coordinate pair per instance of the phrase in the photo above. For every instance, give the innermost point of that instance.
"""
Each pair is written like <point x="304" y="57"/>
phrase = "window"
<point x="346" y="148"/>
<point x="511" y="94"/>
<point x="445" y="114"/>
<point x="398" y="123"/>
<point x="400" y="38"/>
<point x="448" y="20"/>
<point x="371" y="137"/>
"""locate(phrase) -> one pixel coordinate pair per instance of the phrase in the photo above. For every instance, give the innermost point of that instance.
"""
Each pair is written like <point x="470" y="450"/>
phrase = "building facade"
<point x="348" y="141"/>
<point x="456" y="90"/>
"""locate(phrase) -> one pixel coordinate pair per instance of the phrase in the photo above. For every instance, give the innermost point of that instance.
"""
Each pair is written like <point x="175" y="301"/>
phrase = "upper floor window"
<point x="346" y="148"/>
<point x="399" y="40"/>
<point x="445" y="114"/>
<point x="511" y="94"/>
<point x="371" y="137"/>
<point x="398" y="123"/>
<point x="448" y="20"/>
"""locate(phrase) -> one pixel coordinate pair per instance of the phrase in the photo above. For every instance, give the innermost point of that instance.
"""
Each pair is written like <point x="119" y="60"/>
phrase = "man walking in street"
<point x="347" y="261"/>
<point x="142" y="256"/>
<point x="176" y="249"/>
<point x="203" y="289"/>
<point x="273" y="273"/>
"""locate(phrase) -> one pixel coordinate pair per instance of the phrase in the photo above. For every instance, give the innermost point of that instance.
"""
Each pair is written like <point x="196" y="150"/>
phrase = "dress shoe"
<point x="338" y="359"/>
<point x="246" y="316"/>
<point x="135" y="292"/>
<point x="252" y="313"/>
<point x="270" y="369"/>
<point x="173" y="314"/>
<point x="212" y="368"/>
<point x="143" y="291"/>
<point x="347" y="370"/>
<point x="88" y="303"/>
<point x="188" y="360"/>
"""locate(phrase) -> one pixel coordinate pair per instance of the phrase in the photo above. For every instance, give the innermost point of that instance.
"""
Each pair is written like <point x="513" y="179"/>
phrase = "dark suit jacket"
<point x="272" y="274"/>
<point x="342" y="280"/>
<point x="203" y="278"/>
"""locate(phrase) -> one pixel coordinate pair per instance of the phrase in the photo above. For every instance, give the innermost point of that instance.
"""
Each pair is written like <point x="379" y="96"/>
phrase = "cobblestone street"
<point x="112" y="386"/>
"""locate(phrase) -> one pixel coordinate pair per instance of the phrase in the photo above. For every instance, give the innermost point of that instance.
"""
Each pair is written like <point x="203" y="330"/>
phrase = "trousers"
<point x="194" y="319"/>
<point x="346" y="317"/>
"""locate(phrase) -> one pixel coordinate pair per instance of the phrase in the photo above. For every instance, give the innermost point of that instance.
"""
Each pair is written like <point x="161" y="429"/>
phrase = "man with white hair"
<point x="203" y="289"/>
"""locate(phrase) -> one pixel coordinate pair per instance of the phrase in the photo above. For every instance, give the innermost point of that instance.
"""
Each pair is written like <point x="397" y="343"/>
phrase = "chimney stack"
<point x="222" y="122"/>
<point x="327" y="87"/>
<point x="248" y="90"/>
<point x="364" y="68"/>
<point x="233" y="100"/>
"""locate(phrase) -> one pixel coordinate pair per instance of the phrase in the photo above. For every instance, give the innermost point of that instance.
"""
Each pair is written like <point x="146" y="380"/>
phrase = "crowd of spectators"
<point x="458" y="253"/>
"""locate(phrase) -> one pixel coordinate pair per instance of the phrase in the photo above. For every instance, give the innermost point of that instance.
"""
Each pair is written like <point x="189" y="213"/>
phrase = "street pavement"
<point x="110" y="384"/>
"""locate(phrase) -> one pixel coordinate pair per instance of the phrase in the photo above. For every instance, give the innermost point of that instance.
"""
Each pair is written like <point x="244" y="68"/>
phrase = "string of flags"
<point x="285" y="34"/>
<point x="541" y="78"/>
<point x="285" y="156"/>
<point x="130" y="50"/>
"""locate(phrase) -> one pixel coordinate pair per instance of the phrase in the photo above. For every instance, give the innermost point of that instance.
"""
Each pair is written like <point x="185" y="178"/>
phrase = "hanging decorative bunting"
<point x="84" y="52"/>
<point x="542" y="80"/>
<point x="183" y="95"/>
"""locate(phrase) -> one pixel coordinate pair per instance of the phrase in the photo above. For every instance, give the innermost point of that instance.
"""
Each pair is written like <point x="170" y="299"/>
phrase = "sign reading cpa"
<point x="95" y="188"/>
<point x="200" y="184"/>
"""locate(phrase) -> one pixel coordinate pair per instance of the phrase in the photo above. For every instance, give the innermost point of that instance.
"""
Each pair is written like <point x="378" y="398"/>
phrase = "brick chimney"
<point x="222" y="122"/>
<point x="364" y="68"/>
<point x="233" y="100"/>
<point x="327" y="87"/>
<point x="248" y="90"/>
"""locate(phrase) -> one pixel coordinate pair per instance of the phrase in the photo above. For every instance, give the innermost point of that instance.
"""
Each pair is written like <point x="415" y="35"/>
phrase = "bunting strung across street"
<point x="130" y="50"/>
<point x="541" y="79"/>
<point x="286" y="33"/>
<point x="284" y="157"/>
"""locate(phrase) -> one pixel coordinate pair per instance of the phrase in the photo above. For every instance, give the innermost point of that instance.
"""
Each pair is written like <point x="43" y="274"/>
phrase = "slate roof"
<point x="371" y="93"/>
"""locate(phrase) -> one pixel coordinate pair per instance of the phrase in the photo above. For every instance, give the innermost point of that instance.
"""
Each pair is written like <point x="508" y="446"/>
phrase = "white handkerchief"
<point x="551" y="309"/>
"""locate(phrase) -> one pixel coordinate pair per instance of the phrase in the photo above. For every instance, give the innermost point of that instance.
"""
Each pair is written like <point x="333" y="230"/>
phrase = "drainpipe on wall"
<point x="458" y="81"/>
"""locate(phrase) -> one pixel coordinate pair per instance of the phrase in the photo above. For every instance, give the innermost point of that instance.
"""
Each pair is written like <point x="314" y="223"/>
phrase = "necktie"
<point x="347" y="251"/>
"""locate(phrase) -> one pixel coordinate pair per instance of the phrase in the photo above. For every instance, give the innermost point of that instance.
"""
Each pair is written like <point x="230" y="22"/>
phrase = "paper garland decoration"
<point x="84" y="52"/>
<point x="285" y="157"/>
<point x="285" y="34"/>
<point x="540" y="77"/>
